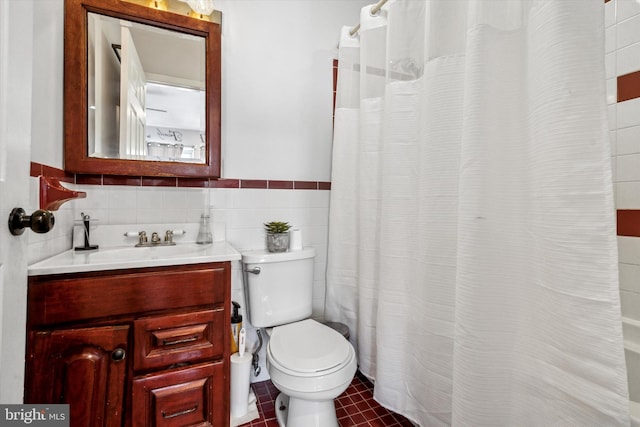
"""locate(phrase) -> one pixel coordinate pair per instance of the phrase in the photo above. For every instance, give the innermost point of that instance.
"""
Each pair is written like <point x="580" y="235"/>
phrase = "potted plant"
<point x="277" y="236"/>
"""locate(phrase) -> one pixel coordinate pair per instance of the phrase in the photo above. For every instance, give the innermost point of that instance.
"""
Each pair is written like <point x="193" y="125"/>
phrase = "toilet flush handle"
<point x="254" y="270"/>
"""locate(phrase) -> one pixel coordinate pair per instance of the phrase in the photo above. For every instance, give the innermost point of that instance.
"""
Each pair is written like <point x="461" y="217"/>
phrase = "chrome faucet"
<point x="156" y="240"/>
<point x="142" y="238"/>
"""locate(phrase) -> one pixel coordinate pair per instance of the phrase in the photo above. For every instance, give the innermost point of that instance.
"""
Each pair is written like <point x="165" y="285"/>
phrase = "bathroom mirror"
<point x="142" y="91"/>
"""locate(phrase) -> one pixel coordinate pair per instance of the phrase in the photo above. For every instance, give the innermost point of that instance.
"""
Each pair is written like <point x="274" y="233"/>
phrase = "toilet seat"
<point x="311" y="364"/>
<point x="308" y="348"/>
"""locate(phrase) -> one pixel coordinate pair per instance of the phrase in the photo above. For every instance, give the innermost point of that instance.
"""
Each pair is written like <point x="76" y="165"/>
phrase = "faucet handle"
<point x="141" y="235"/>
<point x="168" y="236"/>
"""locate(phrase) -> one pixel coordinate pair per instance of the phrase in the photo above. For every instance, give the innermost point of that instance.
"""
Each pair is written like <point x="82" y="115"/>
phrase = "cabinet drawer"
<point x="94" y="295"/>
<point x="182" y="397"/>
<point x="193" y="337"/>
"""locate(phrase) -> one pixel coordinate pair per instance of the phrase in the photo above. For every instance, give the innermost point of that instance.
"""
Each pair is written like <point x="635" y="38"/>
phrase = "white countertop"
<point x="120" y="257"/>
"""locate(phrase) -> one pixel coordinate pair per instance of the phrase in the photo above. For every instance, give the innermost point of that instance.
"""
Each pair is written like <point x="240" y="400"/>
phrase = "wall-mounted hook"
<point x="40" y="221"/>
<point x="53" y="194"/>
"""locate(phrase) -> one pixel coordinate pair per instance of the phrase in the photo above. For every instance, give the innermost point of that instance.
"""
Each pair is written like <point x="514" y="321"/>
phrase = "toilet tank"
<point x="281" y="292"/>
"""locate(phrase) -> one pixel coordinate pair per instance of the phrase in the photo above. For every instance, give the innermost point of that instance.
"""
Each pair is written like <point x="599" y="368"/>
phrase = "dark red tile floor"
<point x="355" y="407"/>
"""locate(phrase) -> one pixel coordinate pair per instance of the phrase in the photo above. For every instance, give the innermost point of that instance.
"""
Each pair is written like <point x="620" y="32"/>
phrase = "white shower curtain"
<point x="472" y="247"/>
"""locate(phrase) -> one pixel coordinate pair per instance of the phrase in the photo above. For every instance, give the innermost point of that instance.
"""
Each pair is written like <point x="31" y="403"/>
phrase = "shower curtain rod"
<point x="374" y="11"/>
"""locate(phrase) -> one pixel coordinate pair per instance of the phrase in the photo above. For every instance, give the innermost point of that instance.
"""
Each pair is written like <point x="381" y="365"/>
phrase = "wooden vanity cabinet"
<point x="138" y="347"/>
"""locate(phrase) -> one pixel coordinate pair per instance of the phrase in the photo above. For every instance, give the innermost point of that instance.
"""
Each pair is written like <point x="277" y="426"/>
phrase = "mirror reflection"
<point x="146" y="92"/>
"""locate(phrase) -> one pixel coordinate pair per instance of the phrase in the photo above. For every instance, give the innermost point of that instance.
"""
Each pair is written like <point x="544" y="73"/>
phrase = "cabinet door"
<point x="85" y="368"/>
<point x="190" y="396"/>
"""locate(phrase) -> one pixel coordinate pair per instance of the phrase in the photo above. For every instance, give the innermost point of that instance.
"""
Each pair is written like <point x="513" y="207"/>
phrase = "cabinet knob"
<point x="118" y="354"/>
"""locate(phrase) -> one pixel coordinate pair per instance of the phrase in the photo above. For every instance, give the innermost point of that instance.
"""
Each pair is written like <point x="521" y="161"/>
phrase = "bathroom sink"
<point x="119" y="257"/>
<point x="144" y="253"/>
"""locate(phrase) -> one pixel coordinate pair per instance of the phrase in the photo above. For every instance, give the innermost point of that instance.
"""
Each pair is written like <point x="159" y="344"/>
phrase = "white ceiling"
<point x="175" y="107"/>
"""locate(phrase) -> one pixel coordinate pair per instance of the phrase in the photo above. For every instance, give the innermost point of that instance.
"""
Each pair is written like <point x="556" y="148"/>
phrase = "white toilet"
<point x="310" y="363"/>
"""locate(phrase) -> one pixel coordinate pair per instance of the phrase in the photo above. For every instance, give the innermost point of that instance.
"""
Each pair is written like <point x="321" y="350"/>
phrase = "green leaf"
<point x="276" y="227"/>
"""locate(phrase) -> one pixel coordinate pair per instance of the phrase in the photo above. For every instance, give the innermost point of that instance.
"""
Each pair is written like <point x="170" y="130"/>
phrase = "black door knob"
<point x="41" y="221"/>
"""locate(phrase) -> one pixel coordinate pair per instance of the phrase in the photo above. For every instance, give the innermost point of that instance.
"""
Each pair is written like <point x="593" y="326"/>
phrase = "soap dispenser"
<point x="236" y="325"/>
<point x="86" y="227"/>
<point x="204" y="232"/>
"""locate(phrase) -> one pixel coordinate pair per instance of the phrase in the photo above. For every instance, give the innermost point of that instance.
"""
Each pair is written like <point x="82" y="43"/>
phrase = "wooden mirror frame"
<point x="76" y="158"/>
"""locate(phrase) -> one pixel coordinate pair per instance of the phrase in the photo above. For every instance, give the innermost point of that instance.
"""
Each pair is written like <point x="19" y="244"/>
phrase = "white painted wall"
<point x="277" y="85"/>
<point x="47" y="124"/>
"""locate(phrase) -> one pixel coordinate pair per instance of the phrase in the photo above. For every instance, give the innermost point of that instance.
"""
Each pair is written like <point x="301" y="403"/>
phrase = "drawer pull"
<point x="180" y="341"/>
<point x="179" y="365"/>
<point x="179" y="413"/>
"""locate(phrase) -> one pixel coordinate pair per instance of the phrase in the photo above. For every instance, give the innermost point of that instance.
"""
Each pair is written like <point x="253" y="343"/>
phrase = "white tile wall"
<point x="628" y="140"/>
<point x="622" y="41"/>
<point x="626" y="31"/>
<point x="244" y="211"/>
<point x="628" y="59"/>
<point x="627" y="113"/>
<point x="626" y="9"/>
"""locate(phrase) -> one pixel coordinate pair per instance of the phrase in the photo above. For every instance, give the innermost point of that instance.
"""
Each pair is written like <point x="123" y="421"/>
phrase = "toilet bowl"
<point x="311" y="364"/>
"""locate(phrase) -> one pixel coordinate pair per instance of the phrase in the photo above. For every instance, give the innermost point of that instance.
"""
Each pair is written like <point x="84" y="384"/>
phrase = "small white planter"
<point x="277" y="242"/>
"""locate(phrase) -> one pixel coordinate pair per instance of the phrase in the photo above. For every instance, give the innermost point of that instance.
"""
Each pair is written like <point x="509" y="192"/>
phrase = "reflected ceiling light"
<point x="202" y="7"/>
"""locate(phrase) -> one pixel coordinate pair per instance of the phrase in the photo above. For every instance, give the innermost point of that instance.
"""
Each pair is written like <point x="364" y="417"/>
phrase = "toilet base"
<point x="293" y="412"/>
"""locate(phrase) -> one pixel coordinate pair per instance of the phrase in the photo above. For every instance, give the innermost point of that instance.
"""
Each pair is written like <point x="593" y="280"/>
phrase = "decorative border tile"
<point x="135" y="181"/>
<point x="305" y="185"/>
<point x="629" y="86"/>
<point x="38" y="169"/>
<point x="254" y="183"/>
<point x="224" y="183"/>
<point x="88" y="179"/>
<point x="628" y="222"/>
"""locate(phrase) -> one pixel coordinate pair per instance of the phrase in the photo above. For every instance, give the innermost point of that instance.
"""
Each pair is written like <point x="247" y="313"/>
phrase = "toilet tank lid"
<point x="264" y="256"/>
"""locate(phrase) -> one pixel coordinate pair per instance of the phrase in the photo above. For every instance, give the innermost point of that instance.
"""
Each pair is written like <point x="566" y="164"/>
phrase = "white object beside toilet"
<point x="240" y="380"/>
<point x="310" y="363"/>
